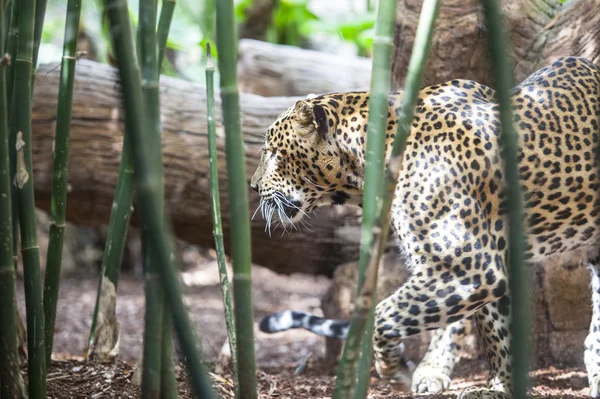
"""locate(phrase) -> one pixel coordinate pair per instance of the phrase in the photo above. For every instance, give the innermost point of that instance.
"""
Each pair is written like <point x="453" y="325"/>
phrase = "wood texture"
<point x="540" y="31"/>
<point x="276" y="70"/>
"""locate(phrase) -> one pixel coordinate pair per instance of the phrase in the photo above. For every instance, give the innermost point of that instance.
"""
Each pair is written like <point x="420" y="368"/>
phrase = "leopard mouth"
<point x="277" y="209"/>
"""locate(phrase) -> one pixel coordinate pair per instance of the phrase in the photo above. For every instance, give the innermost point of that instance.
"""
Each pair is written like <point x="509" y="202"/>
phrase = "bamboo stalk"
<point x="502" y="73"/>
<point x="169" y="388"/>
<point x="11" y="48"/>
<point x="168" y="382"/>
<point x="366" y="300"/>
<point x="7" y="16"/>
<point x="216" y="211"/>
<point x="9" y="366"/>
<point x="383" y="45"/>
<point x="112" y="257"/>
<point x="117" y="235"/>
<point x="40" y="13"/>
<point x="164" y="25"/>
<point x="147" y="182"/>
<point x="60" y="174"/>
<point x="24" y="181"/>
<point x="153" y="319"/>
<point x="114" y="248"/>
<point x="238" y="196"/>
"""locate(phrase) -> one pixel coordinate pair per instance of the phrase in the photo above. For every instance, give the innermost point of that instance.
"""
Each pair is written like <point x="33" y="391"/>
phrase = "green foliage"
<point x="359" y="30"/>
<point x="294" y="22"/>
<point x="290" y="21"/>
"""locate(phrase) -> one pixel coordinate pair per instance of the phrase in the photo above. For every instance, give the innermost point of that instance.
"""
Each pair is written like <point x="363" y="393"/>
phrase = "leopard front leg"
<point x="415" y="307"/>
<point x="433" y="373"/>
<point x="493" y="322"/>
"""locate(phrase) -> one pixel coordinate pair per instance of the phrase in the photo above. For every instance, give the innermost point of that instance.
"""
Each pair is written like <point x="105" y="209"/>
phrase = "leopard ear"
<point x="309" y="118"/>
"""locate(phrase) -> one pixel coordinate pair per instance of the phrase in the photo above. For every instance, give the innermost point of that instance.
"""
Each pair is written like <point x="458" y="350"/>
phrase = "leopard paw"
<point x="429" y="379"/>
<point x="594" y="379"/>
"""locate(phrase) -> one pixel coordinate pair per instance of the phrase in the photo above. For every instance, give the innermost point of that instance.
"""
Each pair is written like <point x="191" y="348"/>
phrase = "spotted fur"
<point x="449" y="211"/>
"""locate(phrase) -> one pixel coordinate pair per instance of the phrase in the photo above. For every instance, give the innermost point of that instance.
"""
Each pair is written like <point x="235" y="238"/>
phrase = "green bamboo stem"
<point x="164" y="25"/>
<point x="24" y="181"/>
<point x="216" y="211"/>
<point x="9" y="366"/>
<point x="114" y="248"/>
<point x="168" y="382"/>
<point x="11" y="48"/>
<point x="147" y="182"/>
<point x="153" y="337"/>
<point x="367" y="298"/>
<point x="58" y="205"/>
<point x="116" y="238"/>
<point x="238" y="197"/>
<point x="502" y="73"/>
<point x="153" y="321"/>
<point x="7" y="16"/>
<point x="383" y="45"/>
<point x="40" y="13"/>
<point x="119" y="224"/>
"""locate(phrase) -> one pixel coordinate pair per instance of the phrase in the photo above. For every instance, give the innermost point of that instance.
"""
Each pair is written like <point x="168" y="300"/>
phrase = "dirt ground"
<point x="288" y="362"/>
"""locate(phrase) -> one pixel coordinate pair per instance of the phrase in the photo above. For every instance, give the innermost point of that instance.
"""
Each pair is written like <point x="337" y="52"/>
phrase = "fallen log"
<point x="276" y="70"/>
<point x="96" y="141"/>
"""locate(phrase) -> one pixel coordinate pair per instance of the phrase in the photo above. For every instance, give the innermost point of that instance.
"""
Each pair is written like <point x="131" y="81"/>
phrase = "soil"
<point x="289" y="363"/>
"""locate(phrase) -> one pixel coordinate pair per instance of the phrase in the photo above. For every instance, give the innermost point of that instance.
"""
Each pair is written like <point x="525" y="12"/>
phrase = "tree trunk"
<point x="540" y="31"/>
<point x="276" y="70"/>
<point x="96" y="141"/>
<point x="259" y="16"/>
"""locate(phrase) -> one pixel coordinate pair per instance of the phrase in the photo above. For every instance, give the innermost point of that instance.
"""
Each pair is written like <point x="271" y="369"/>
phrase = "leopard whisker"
<point x="291" y="204"/>
<point x="281" y="213"/>
<point x="260" y="205"/>
<point x="314" y="184"/>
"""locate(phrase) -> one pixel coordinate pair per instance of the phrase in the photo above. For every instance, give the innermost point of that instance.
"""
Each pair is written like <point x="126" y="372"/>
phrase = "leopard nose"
<point x="254" y="186"/>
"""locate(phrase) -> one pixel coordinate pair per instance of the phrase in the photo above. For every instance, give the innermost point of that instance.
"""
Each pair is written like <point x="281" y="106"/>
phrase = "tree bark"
<point x="258" y="19"/>
<point x="96" y="141"/>
<point x="276" y="70"/>
<point x="540" y="31"/>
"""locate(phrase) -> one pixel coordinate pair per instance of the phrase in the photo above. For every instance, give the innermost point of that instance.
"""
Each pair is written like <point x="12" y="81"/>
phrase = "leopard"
<point x="449" y="214"/>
